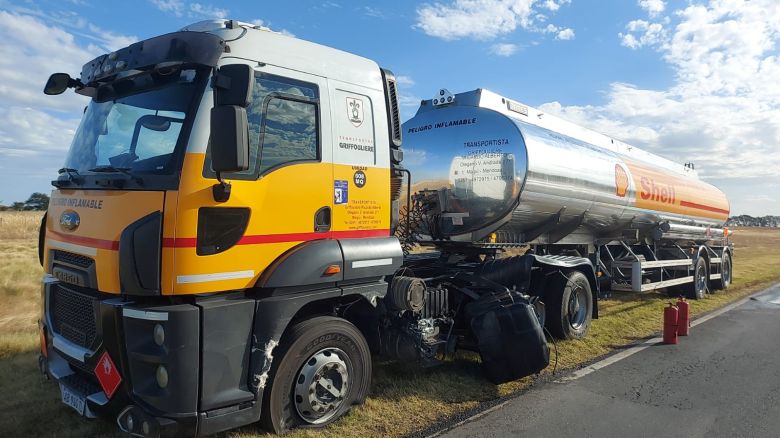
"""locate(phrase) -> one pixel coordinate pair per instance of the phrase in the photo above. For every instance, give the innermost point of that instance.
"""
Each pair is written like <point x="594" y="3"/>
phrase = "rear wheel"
<point x="321" y="371"/>
<point x="569" y="305"/>
<point x="725" y="273"/>
<point x="698" y="288"/>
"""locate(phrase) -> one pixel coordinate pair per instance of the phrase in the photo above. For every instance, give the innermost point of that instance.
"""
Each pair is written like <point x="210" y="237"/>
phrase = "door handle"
<point x="322" y="220"/>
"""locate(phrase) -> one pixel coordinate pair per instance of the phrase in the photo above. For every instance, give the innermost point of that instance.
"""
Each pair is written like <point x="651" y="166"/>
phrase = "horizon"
<point x="695" y="83"/>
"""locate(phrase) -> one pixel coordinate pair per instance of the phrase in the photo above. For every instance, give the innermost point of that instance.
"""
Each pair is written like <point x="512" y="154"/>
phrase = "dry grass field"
<point x="403" y="399"/>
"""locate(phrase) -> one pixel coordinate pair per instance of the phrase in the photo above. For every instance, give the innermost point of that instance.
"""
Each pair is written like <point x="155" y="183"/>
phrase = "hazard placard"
<point x="107" y="374"/>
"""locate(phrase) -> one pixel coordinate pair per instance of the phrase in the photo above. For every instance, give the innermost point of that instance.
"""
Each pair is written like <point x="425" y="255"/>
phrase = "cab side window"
<point x="283" y="118"/>
<point x="289" y="133"/>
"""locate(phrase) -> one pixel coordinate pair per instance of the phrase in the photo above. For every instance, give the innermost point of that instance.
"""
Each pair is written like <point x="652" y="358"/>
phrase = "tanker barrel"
<point x="498" y="166"/>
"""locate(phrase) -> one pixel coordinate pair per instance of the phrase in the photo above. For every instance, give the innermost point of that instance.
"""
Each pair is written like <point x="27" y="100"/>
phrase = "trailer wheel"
<point x="569" y="305"/>
<point x="725" y="273"/>
<point x="321" y="371"/>
<point x="698" y="288"/>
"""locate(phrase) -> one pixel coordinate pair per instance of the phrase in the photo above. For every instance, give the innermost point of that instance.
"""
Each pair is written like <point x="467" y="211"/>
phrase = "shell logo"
<point x="621" y="181"/>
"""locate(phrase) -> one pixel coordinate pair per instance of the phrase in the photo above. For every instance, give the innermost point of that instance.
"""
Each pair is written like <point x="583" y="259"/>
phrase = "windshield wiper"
<point x="113" y="169"/>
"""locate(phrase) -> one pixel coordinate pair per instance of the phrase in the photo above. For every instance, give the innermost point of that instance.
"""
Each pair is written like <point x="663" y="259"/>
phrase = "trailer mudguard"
<point x="581" y="264"/>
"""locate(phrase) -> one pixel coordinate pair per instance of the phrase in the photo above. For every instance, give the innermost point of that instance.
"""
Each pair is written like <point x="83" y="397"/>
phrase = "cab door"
<point x="287" y="192"/>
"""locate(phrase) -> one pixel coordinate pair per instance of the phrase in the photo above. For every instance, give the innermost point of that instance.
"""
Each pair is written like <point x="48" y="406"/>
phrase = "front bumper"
<point x="78" y="325"/>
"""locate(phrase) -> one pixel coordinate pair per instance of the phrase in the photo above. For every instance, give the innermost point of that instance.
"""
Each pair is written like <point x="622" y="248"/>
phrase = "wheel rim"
<point x="578" y="309"/>
<point x="726" y="271"/>
<point x="322" y="385"/>
<point x="701" y="280"/>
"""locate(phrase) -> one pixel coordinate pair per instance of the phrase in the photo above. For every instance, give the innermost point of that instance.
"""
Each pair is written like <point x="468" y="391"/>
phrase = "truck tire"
<point x="698" y="288"/>
<point x="321" y="370"/>
<point x="725" y="273"/>
<point x="569" y="305"/>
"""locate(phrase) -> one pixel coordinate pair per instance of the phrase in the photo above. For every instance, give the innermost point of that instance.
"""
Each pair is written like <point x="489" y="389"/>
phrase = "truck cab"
<point x="222" y="178"/>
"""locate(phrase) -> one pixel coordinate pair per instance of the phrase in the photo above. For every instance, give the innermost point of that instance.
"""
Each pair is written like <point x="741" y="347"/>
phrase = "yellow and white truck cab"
<point x="224" y="180"/>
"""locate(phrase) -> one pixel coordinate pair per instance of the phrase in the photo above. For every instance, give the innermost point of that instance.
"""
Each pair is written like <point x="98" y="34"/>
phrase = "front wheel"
<point x="569" y="305"/>
<point x="322" y="369"/>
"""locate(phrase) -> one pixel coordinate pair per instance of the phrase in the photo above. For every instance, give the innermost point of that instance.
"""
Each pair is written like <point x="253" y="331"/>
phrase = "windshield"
<point x="138" y="133"/>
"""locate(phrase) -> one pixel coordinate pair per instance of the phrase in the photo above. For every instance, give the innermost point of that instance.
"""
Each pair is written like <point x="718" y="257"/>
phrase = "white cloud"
<point x="652" y="7"/>
<point x="553" y="5"/>
<point x="372" y="12"/>
<point x="404" y="80"/>
<point x="175" y="7"/>
<point x="503" y="49"/>
<point x="207" y="11"/>
<point x="723" y="109"/>
<point x="648" y="34"/>
<point x="36" y="129"/>
<point x="21" y="83"/>
<point x="480" y="19"/>
<point x="112" y="41"/>
<point x="565" y="34"/>
<point x="409" y="104"/>
<point x="180" y="8"/>
<point x="29" y="132"/>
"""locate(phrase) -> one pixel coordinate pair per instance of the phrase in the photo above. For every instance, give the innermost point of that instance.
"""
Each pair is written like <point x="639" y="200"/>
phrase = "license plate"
<point x="72" y="399"/>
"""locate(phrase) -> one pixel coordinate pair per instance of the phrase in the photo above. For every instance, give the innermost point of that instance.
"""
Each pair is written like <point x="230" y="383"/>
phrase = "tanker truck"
<point x="236" y="232"/>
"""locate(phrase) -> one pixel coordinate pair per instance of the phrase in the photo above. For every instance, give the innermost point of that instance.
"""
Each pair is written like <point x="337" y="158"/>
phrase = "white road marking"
<point x="217" y="276"/>
<point x="602" y="363"/>
<point x="649" y="343"/>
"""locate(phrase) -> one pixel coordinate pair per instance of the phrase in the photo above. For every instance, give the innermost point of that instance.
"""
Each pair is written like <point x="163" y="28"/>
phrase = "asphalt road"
<point x="721" y="381"/>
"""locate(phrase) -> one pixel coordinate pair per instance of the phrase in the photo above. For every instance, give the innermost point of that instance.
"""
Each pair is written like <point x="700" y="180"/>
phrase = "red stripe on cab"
<point x="191" y="242"/>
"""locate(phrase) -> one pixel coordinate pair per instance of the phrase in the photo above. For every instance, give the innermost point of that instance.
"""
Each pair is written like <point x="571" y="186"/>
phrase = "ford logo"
<point x="69" y="220"/>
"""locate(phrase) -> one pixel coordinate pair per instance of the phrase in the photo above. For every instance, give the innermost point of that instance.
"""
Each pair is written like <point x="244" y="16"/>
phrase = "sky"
<point x="694" y="81"/>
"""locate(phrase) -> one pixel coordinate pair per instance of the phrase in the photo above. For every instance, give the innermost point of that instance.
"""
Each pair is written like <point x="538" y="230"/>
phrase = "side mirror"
<point x="57" y="84"/>
<point x="229" y="139"/>
<point x="233" y="85"/>
<point x="229" y="128"/>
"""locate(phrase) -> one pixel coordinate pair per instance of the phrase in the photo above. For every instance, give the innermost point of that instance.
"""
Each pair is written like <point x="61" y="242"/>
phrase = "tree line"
<point x="36" y="202"/>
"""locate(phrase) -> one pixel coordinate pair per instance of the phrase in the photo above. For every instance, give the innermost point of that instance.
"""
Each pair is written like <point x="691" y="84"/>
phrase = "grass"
<point x="404" y="399"/>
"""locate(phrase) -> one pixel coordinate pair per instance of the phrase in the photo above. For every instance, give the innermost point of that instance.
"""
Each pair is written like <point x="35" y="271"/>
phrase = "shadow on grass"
<point x="31" y="404"/>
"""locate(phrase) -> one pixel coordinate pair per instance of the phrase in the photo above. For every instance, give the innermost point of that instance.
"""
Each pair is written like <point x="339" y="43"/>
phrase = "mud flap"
<point x="510" y="339"/>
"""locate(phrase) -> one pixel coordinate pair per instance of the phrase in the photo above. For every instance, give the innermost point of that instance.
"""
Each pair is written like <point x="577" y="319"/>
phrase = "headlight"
<point x="159" y="335"/>
<point x="162" y="376"/>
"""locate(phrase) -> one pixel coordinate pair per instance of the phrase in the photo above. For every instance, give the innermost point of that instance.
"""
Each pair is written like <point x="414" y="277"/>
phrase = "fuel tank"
<point x="504" y="171"/>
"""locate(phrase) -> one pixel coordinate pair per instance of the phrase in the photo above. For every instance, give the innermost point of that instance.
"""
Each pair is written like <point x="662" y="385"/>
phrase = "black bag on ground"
<point x="510" y="339"/>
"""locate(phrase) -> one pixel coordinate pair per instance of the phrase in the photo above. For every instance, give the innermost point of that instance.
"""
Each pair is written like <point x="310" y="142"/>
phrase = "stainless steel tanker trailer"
<point x="490" y="172"/>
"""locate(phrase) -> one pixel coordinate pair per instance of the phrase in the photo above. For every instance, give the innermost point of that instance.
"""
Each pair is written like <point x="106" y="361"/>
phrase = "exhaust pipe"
<point x="43" y="366"/>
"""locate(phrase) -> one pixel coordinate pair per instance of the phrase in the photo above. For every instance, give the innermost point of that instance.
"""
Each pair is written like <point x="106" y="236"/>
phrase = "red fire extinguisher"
<point x="670" y="324"/>
<point x="683" y="321"/>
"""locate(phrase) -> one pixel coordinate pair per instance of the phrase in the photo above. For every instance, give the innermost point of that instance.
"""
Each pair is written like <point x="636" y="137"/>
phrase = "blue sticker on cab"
<point x="340" y="191"/>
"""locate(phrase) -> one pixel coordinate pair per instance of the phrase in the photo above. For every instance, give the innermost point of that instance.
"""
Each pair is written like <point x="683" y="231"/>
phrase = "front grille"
<point x="72" y="259"/>
<point x="73" y="316"/>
